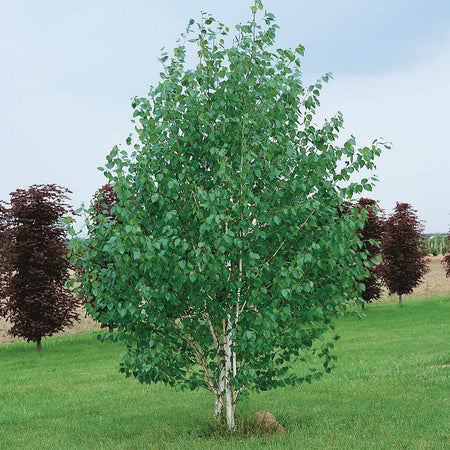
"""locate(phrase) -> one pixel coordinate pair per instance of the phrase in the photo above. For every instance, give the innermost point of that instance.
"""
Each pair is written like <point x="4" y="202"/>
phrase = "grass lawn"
<point x="390" y="390"/>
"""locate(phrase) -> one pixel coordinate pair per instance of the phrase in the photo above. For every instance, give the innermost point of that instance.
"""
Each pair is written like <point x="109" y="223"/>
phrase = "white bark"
<point x="238" y="305"/>
<point x="229" y="408"/>
<point x="229" y="397"/>
<point x="219" y="394"/>
<point x="218" y="408"/>
<point x="227" y="365"/>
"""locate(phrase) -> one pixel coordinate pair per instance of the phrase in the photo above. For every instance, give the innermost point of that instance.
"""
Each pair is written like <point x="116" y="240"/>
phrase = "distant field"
<point x="435" y="285"/>
<point x="390" y="390"/>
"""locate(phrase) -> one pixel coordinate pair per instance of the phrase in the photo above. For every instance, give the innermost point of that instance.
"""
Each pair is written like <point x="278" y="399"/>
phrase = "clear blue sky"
<point x="68" y="70"/>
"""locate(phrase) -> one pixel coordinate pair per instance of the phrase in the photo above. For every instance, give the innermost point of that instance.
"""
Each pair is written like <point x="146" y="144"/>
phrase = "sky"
<point x="69" y="69"/>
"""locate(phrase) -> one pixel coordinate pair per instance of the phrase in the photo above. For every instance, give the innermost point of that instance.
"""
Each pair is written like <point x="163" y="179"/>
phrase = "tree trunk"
<point x="229" y="397"/>
<point x="229" y="408"/>
<point x="400" y="300"/>
<point x="218" y="410"/>
<point x="39" y="346"/>
<point x="110" y="329"/>
<point x="362" y="305"/>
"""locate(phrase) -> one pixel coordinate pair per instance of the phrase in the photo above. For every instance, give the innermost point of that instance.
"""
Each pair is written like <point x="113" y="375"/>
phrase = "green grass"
<point x="390" y="390"/>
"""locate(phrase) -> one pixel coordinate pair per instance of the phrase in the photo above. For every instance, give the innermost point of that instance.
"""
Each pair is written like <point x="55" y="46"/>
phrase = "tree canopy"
<point x="404" y="264"/>
<point x="446" y="259"/>
<point x="101" y="210"/>
<point x="229" y="253"/>
<point x="34" y="265"/>
<point x="371" y="236"/>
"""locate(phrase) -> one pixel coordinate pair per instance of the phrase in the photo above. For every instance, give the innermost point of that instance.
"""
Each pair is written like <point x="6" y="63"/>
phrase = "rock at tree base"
<point x="268" y="422"/>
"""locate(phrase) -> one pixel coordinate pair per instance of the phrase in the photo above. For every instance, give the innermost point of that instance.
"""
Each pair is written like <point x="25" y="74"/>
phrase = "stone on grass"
<point x="268" y="422"/>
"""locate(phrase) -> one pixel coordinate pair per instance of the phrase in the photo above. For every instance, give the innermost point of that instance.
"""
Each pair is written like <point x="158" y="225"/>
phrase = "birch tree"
<point x="229" y="253"/>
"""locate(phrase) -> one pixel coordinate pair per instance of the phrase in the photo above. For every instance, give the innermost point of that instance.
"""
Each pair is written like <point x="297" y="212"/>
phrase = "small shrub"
<point x="435" y="251"/>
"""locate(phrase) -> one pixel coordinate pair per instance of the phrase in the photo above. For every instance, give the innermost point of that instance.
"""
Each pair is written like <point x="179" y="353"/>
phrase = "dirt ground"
<point x="435" y="284"/>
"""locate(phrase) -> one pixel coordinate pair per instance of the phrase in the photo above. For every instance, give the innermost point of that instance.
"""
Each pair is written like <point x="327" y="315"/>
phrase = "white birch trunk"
<point x="218" y="408"/>
<point x="229" y="397"/>
<point x="238" y="305"/>
<point x="219" y="394"/>
<point x="229" y="366"/>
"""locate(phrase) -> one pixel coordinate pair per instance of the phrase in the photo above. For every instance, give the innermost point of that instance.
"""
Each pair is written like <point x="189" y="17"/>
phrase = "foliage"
<point x="102" y="211"/>
<point x="425" y="250"/>
<point x="102" y="203"/>
<point x="229" y="254"/>
<point x="35" y="268"/>
<point x="436" y="244"/>
<point x="446" y="260"/>
<point x="404" y="265"/>
<point x="3" y="245"/>
<point x="434" y="251"/>
<point x="371" y="236"/>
